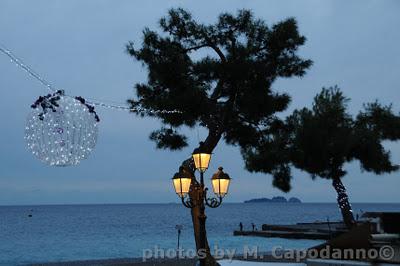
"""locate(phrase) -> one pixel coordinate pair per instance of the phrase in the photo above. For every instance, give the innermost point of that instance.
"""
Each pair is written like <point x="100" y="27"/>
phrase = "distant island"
<point x="279" y="199"/>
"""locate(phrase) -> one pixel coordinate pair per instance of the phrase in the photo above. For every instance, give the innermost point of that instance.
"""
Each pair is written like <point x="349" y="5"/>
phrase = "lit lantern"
<point x="182" y="181"/>
<point x="201" y="159"/>
<point x="220" y="183"/>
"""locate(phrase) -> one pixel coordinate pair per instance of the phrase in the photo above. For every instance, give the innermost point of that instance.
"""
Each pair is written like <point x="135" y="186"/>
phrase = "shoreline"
<point x="122" y="261"/>
<point x="265" y="257"/>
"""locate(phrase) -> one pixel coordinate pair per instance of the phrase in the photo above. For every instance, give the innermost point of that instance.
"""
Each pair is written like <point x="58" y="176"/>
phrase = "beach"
<point x="117" y="262"/>
<point x="170" y="262"/>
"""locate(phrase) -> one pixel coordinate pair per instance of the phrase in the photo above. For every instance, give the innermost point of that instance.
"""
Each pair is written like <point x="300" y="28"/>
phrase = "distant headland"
<point x="279" y="199"/>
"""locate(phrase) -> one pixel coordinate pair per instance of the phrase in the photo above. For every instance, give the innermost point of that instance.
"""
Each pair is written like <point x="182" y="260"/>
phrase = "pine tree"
<point x="220" y="77"/>
<point x="322" y="139"/>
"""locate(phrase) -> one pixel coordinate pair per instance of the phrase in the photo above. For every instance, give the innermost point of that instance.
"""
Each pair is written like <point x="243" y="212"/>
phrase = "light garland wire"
<point x="19" y="63"/>
<point x="26" y="68"/>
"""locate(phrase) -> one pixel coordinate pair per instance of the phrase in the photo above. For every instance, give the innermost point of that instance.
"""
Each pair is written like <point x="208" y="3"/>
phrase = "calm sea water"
<point x="79" y="232"/>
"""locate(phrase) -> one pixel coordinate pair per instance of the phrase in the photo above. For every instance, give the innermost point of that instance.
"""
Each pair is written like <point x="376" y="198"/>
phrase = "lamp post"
<point x="220" y="182"/>
<point x="179" y="228"/>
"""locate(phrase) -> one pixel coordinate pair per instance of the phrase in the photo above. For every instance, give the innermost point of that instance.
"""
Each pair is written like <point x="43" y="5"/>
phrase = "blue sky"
<point x="79" y="46"/>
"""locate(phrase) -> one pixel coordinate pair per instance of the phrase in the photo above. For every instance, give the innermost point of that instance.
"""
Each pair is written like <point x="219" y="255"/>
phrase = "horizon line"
<point x="178" y="203"/>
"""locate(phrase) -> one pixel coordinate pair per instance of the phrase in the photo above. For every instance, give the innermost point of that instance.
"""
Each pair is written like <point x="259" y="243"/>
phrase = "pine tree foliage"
<point x="220" y="77"/>
<point x="322" y="139"/>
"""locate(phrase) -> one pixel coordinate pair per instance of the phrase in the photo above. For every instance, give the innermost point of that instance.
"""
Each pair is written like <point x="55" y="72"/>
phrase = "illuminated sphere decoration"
<point x="61" y="130"/>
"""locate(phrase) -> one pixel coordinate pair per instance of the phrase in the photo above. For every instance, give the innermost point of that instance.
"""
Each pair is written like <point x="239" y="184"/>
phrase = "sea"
<point x="54" y="233"/>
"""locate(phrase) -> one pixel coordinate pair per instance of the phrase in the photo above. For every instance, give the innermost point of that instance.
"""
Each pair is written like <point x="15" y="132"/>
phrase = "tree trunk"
<point x="344" y="204"/>
<point x="196" y="216"/>
<point x="195" y="195"/>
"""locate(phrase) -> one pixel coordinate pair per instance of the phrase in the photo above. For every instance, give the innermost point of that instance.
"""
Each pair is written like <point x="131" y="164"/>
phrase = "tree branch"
<point x="196" y="47"/>
<point x="222" y="57"/>
<point x="217" y="90"/>
<point x="212" y="46"/>
<point x="219" y="52"/>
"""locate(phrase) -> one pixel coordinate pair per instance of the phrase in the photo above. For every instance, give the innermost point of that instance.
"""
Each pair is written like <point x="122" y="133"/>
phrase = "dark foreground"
<point x="265" y="257"/>
<point x="117" y="262"/>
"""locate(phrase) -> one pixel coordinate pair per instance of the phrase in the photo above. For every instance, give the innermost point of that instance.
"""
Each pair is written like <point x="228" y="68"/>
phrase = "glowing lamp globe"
<point x="201" y="159"/>
<point x="182" y="181"/>
<point x="220" y="183"/>
<point x="61" y="130"/>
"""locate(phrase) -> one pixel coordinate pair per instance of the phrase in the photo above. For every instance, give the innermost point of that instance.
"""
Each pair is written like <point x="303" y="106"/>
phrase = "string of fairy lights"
<point x="20" y="63"/>
<point x="343" y="199"/>
<point x="61" y="129"/>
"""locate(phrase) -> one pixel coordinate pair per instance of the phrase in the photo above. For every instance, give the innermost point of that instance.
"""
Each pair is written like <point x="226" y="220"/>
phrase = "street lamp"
<point x="220" y="182"/>
<point x="201" y="159"/>
<point x="182" y="181"/>
<point x="183" y="184"/>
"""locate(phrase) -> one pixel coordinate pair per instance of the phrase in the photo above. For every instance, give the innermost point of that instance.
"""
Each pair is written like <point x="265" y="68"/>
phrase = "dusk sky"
<point x="80" y="47"/>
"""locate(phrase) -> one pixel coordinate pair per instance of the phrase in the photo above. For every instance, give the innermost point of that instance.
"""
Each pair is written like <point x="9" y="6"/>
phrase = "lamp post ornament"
<point x="220" y="183"/>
